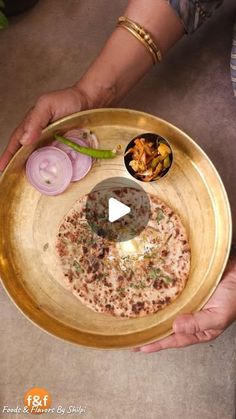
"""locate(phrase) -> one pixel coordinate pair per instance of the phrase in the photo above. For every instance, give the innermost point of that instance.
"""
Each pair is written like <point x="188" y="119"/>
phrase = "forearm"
<point x="124" y="60"/>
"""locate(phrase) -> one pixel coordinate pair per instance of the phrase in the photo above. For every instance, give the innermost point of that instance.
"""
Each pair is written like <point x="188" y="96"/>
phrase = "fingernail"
<point x="24" y="138"/>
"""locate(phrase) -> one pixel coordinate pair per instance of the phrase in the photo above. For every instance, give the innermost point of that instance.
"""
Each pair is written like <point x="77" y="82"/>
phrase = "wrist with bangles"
<point x="142" y="35"/>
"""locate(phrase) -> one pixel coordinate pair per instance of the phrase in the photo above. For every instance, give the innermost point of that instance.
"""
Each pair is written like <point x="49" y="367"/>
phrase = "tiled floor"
<point x="47" y="48"/>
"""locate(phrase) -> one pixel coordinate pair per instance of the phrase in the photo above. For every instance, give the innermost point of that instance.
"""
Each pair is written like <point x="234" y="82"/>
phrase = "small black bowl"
<point x="151" y="137"/>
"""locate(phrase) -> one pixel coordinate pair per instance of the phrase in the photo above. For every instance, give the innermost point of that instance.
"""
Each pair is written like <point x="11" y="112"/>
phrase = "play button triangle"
<point x="116" y="210"/>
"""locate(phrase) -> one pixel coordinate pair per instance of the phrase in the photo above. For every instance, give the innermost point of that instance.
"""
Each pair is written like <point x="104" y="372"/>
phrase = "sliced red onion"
<point x="83" y="134"/>
<point x="49" y="170"/>
<point x="81" y="163"/>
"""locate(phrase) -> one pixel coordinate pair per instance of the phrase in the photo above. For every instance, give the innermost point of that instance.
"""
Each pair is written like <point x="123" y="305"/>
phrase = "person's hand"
<point x="207" y="324"/>
<point x="49" y="107"/>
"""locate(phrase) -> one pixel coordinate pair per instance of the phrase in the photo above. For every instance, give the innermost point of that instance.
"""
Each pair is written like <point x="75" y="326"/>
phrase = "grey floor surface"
<point x="47" y="48"/>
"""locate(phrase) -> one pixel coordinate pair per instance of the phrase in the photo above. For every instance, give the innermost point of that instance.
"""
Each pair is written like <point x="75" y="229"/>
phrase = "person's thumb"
<point x="29" y="129"/>
<point x="36" y="119"/>
<point x="191" y="324"/>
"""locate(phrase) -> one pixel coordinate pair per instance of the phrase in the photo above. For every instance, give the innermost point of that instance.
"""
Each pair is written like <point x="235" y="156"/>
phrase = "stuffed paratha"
<point x="126" y="279"/>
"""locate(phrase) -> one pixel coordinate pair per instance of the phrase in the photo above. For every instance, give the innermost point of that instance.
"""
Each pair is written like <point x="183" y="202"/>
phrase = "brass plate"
<point x="29" y="221"/>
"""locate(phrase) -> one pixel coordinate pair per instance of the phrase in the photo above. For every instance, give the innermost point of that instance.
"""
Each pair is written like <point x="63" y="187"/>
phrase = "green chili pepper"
<point x="166" y="162"/>
<point x="92" y="152"/>
<point x="155" y="162"/>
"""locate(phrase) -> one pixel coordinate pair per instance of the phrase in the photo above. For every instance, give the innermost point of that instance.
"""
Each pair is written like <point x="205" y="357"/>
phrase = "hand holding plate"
<point x="48" y="108"/>
<point x="207" y="324"/>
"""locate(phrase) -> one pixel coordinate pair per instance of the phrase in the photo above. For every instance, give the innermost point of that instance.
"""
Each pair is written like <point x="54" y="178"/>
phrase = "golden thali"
<point x="29" y="222"/>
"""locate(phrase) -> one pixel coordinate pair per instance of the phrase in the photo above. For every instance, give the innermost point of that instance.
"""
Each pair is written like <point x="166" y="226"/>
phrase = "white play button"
<point x="117" y="210"/>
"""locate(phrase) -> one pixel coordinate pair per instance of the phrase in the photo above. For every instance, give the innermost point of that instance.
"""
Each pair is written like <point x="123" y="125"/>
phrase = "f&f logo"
<point x="37" y="400"/>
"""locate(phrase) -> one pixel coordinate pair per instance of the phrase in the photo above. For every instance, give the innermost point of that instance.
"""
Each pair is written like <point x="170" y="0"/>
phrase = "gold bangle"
<point x="142" y="35"/>
<point x="137" y="36"/>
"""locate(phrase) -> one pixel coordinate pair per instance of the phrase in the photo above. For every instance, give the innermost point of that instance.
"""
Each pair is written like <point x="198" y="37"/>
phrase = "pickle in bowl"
<point x="148" y="157"/>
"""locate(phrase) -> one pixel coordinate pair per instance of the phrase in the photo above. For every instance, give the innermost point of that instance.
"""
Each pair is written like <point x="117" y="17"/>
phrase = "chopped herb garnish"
<point x="160" y="215"/>
<point x="138" y="286"/>
<point x="154" y="273"/>
<point x="102" y="275"/>
<point x="120" y="289"/>
<point x="77" y="266"/>
<point x="167" y="279"/>
<point x="90" y="242"/>
<point x="93" y="226"/>
<point x="149" y="255"/>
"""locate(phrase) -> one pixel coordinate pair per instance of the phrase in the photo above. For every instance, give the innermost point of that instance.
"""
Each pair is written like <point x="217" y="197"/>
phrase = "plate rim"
<point x="56" y="333"/>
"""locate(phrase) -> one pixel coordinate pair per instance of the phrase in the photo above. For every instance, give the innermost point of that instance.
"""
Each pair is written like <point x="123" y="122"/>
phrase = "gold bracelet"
<point x="137" y="36"/>
<point x="142" y="35"/>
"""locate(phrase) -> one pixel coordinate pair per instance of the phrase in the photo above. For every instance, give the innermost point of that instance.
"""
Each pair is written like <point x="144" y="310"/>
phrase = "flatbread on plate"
<point x="126" y="279"/>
